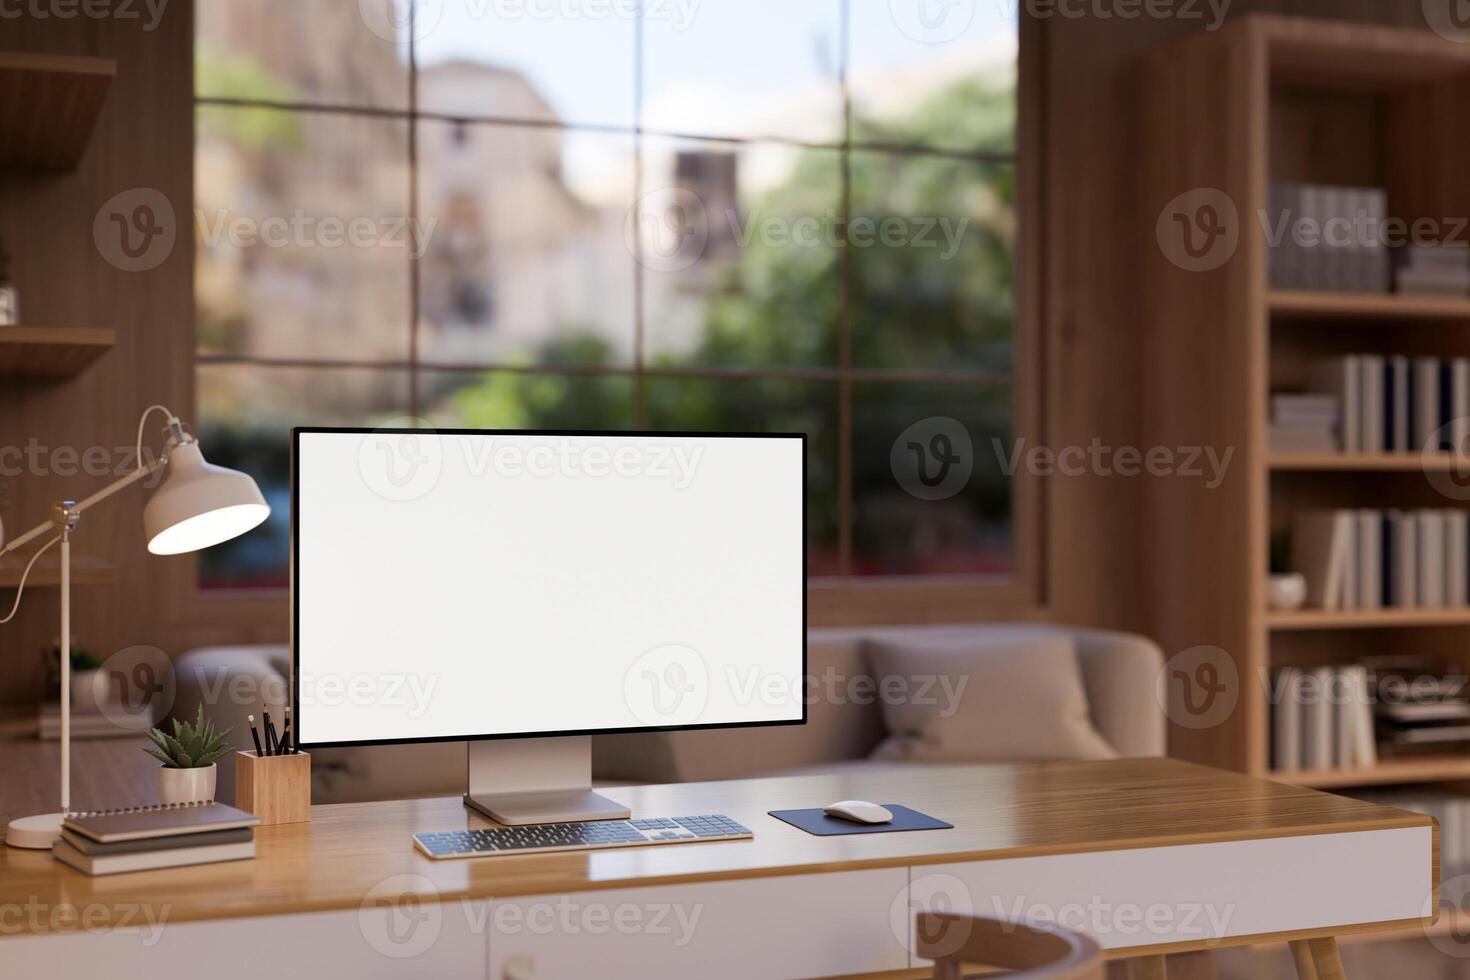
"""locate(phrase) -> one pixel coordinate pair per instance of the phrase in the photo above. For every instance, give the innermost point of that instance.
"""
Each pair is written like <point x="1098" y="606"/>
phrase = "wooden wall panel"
<point x="143" y="139"/>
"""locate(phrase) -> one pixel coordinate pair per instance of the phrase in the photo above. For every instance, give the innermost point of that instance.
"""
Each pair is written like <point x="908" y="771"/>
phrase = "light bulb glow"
<point x="208" y="529"/>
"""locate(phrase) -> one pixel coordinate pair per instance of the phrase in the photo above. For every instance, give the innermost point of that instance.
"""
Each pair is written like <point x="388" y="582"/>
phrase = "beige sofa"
<point x="1119" y="673"/>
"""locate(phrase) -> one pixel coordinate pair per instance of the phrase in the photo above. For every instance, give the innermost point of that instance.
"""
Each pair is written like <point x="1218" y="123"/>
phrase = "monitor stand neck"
<point x="537" y="780"/>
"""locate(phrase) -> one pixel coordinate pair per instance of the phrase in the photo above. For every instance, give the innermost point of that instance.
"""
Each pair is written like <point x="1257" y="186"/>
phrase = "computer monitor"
<point x="524" y="591"/>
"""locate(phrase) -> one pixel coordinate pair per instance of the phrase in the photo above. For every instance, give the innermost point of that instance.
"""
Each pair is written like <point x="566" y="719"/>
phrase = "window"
<point x="726" y="214"/>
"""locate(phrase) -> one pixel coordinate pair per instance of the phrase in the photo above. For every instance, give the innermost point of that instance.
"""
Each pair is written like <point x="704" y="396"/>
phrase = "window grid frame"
<point x="1019" y="587"/>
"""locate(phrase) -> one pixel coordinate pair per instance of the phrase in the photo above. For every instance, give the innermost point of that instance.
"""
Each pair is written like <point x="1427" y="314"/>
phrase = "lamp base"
<point x="36" y="833"/>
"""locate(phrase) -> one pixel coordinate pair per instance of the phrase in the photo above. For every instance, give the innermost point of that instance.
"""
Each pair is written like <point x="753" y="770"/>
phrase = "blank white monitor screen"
<point x="479" y="584"/>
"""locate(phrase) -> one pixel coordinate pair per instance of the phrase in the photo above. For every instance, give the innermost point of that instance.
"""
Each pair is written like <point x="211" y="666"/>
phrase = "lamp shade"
<point x="200" y="505"/>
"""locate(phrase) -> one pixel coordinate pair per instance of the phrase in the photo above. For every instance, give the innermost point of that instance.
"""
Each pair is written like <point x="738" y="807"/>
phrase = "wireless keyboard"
<point x="582" y="836"/>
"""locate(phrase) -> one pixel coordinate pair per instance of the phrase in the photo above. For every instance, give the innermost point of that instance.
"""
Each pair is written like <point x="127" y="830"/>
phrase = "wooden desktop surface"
<point x="998" y="811"/>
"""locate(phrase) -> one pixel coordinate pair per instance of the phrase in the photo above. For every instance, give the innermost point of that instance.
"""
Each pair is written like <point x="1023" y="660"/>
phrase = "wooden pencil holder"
<point x="276" y="788"/>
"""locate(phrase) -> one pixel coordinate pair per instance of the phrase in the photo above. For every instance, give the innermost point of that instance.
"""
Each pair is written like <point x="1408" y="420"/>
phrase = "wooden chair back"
<point x="1032" y="952"/>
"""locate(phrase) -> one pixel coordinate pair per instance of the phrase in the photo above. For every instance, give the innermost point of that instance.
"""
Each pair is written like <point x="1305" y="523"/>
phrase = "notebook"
<point x="108" y="864"/>
<point x="168" y="820"/>
<point x="93" y="848"/>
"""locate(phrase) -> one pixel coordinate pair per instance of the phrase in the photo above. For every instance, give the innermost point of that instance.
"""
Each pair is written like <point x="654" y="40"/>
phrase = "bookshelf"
<point x="49" y="105"/>
<point x="1281" y="99"/>
<point x="51" y="352"/>
<point x="1334" y="307"/>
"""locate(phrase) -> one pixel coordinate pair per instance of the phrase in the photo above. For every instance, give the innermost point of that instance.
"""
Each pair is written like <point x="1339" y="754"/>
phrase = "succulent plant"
<point x="190" y="746"/>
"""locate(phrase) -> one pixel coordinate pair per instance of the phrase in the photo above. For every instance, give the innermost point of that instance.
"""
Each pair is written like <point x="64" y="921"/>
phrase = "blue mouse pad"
<point x="817" y="822"/>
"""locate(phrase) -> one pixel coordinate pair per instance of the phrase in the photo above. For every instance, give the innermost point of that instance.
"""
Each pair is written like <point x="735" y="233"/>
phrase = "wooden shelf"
<point x="51" y="352"/>
<point x="49" y="105"/>
<point x="1317" y="619"/>
<point x="1427" y="770"/>
<point x="1376" y="306"/>
<point x="47" y="573"/>
<point x="1408" y="462"/>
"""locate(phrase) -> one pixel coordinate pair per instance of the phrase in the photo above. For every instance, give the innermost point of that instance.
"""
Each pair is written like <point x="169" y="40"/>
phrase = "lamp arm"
<point x="63" y="510"/>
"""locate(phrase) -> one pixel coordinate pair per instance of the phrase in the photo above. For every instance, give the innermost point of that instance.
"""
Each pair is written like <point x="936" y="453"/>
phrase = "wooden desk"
<point x="1149" y="856"/>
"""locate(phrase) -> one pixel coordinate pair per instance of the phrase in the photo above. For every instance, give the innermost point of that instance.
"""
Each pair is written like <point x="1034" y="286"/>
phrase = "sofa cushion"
<point x="1006" y="699"/>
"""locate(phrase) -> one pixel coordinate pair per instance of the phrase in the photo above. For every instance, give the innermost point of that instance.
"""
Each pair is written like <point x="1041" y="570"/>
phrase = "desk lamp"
<point x="198" y="506"/>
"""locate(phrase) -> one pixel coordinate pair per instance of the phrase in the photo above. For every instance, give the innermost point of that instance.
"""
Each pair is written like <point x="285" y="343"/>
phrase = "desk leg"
<point x="1324" y="956"/>
<point x="1302" y="954"/>
<point x="1147" y="968"/>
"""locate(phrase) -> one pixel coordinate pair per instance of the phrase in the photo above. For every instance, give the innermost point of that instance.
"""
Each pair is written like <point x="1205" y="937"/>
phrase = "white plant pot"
<point x="187" y="785"/>
<point x="1287" y="592"/>
<point x="88" y="690"/>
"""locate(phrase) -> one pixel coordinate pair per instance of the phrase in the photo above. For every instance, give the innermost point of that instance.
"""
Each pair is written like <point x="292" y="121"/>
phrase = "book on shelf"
<point x="1432" y="270"/>
<point x="1367" y="559"/>
<point x="1304" y="423"/>
<point x="1325" y="237"/>
<point x="1385" y="404"/>
<point x="1322" y="718"/>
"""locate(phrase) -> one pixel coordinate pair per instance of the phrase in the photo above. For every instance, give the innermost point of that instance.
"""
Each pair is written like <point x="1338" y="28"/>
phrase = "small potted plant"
<point x="88" y="687"/>
<point x="188" y="755"/>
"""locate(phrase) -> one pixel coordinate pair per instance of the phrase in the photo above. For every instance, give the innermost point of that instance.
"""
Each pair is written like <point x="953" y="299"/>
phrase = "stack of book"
<point x="1329" y="238"/>
<point x="1398" y="404"/>
<point x="1305" y="424"/>
<point x="1322" y="718"/>
<point x="1373" y="559"/>
<point x="107" y="842"/>
<point x="1433" y="270"/>
<point x="1421" y="706"/>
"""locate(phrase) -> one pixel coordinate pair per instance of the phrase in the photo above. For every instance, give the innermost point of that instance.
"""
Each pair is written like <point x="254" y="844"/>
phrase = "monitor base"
<point x="536" y="780"/>
<point x="565" y="806"/>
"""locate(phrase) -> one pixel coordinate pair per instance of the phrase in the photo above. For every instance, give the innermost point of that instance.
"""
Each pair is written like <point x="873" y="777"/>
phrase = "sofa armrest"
<point x="1121" y="673"/>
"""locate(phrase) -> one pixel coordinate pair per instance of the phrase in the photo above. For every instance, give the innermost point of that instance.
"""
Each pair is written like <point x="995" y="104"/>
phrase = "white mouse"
<point x="859" y="811"/>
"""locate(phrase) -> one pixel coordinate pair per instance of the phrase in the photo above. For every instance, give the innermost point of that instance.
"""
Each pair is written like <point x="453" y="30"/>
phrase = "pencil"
<point x="255" y="735"/>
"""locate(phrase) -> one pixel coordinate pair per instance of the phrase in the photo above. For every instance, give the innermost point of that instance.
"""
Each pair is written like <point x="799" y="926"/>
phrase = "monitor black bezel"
<point x="299" y="431"/>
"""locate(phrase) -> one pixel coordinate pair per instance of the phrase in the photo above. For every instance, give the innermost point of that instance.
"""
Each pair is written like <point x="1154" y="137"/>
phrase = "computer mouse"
<point x="859" y="811"/>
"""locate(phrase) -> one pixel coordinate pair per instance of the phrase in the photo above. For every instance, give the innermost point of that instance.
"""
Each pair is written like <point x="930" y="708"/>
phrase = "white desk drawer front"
<point x="794" y="926"/>
<point x="1197" y="892"/>
<point x="382" y="940"/>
